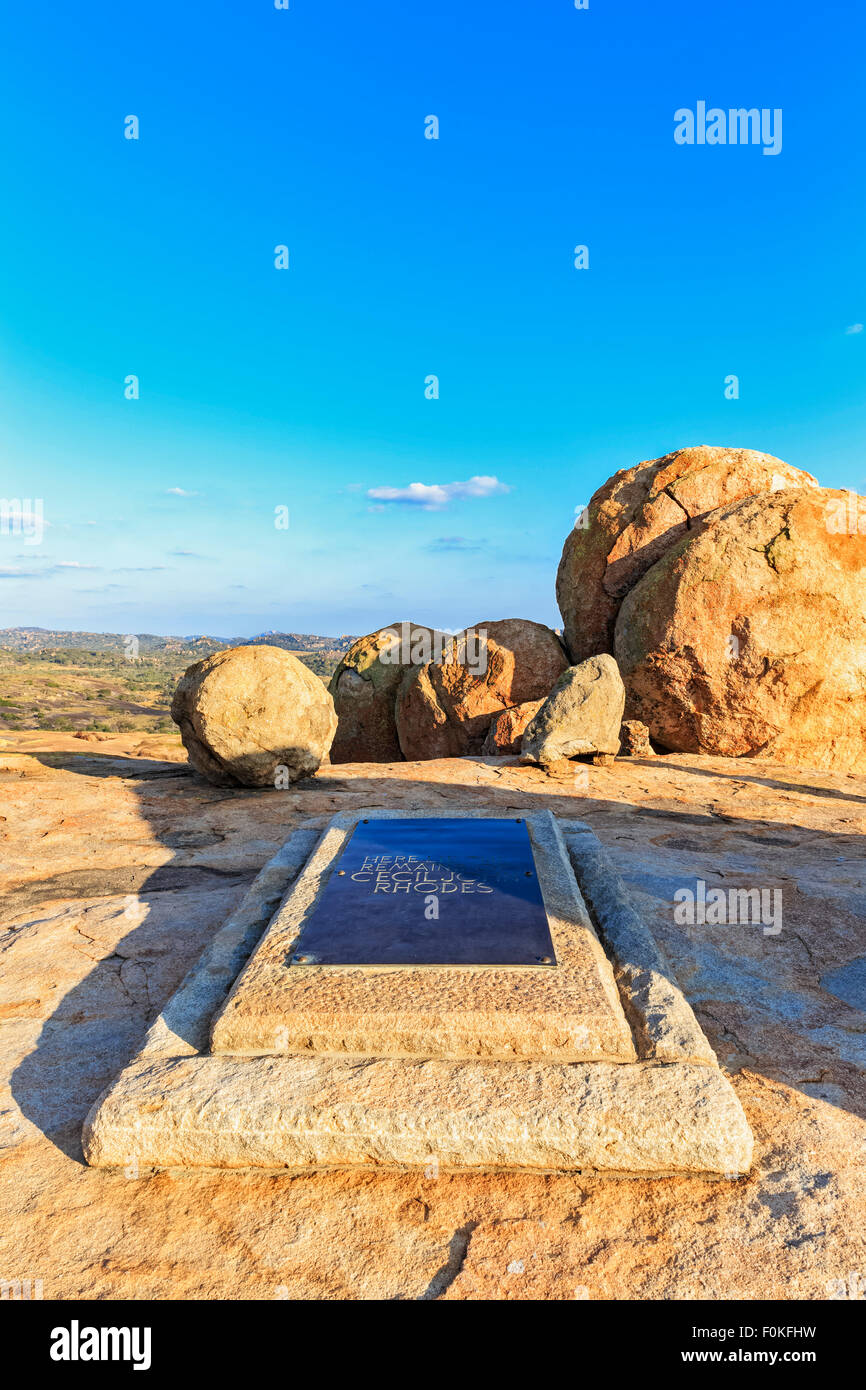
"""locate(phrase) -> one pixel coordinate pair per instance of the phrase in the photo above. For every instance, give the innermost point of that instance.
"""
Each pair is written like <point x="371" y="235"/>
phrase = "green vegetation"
<point x="67" y="689"/>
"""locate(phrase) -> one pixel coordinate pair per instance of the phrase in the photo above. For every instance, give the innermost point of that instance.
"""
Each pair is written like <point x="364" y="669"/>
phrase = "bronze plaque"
<point x="430" y="891"/>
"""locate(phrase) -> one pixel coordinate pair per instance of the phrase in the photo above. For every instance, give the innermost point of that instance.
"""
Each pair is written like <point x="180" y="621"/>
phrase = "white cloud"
<point x="180" y="492"/>
<point x="432" y="497"/>
<point x="854" y="328"/>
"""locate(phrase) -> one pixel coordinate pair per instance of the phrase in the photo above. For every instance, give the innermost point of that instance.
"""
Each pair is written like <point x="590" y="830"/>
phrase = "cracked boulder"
<point x="748" y="636"/>
<point x="364" y="688"/>
<point x="637" y="516"/>
<point x="253" y="717"/>
<point x="445" y="709"/>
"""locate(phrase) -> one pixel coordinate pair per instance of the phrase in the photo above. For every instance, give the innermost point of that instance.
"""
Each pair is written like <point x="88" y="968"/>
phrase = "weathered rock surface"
<point x="582" y="714"/>
<point x="445" y="711"/>
<point x="247" y="713"/>
<point x="749" y="636"/>
<point x="505" y="734"/>
<point x="364" y="688"/>
<point x="118" y="867"/>
<point x="635" y="740"/>
<point x="640" y="513"/>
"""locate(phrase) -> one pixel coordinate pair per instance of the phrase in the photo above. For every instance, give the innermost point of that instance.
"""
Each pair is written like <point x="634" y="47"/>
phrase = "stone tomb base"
<point x="266" y="1059"/>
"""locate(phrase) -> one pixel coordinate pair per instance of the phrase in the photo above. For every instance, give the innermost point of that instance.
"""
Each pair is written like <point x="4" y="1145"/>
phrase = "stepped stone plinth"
<point x="474" y="990"/>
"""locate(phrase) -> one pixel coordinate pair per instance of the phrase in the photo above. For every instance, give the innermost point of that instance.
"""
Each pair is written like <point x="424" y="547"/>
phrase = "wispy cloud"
<point x="854" y="328"/>
<point x="17" y="572"/>
<point x="56" y="567"/>
<point x="442" y="543"/>
<point x="432" y="497"/>
<point x="181" y="492"/>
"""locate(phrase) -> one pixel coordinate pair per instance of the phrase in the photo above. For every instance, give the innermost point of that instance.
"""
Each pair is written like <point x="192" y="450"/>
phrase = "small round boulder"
<point x="253" y="717"/>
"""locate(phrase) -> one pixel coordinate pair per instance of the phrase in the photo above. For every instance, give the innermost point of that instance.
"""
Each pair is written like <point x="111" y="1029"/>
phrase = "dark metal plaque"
<point x="431" y="891"/>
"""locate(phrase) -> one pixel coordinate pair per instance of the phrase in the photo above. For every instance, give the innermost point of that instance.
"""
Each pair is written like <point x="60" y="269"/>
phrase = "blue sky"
<point x="305" y="388"/>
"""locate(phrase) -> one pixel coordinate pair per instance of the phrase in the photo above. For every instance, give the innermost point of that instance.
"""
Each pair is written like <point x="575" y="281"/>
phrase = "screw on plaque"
<point x="543" y="960"/>
<point x="304" y="959"/>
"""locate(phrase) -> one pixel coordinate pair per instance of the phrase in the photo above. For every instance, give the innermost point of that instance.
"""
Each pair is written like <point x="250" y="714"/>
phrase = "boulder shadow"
<point x="165" y="915"/>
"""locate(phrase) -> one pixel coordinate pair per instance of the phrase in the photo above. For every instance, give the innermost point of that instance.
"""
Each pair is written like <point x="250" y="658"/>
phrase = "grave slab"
<point x="565" y="1007"/>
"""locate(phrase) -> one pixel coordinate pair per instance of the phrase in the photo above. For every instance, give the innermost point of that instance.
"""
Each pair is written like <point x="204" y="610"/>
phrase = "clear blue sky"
<point x="304" y="388"/>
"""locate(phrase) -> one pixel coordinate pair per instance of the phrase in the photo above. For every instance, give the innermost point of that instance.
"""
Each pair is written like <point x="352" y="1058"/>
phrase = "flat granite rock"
<point x="85" y="972"/>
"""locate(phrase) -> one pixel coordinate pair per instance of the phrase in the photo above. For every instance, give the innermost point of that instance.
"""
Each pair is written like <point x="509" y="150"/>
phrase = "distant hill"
<point x="295" y="641"/>
<point x="34" y="639"/>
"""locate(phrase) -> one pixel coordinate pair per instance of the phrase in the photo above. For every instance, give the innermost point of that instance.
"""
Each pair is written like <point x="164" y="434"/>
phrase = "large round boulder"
<point x="364" y="688"/>
<point x="444" y="709"/>
<point x="749" y="635"/>
<point x="250" y="716"/>
<point x="640" y="513"/>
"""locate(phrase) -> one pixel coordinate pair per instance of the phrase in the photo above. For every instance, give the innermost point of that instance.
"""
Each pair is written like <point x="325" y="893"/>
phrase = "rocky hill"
<point x="33" y="639"/>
